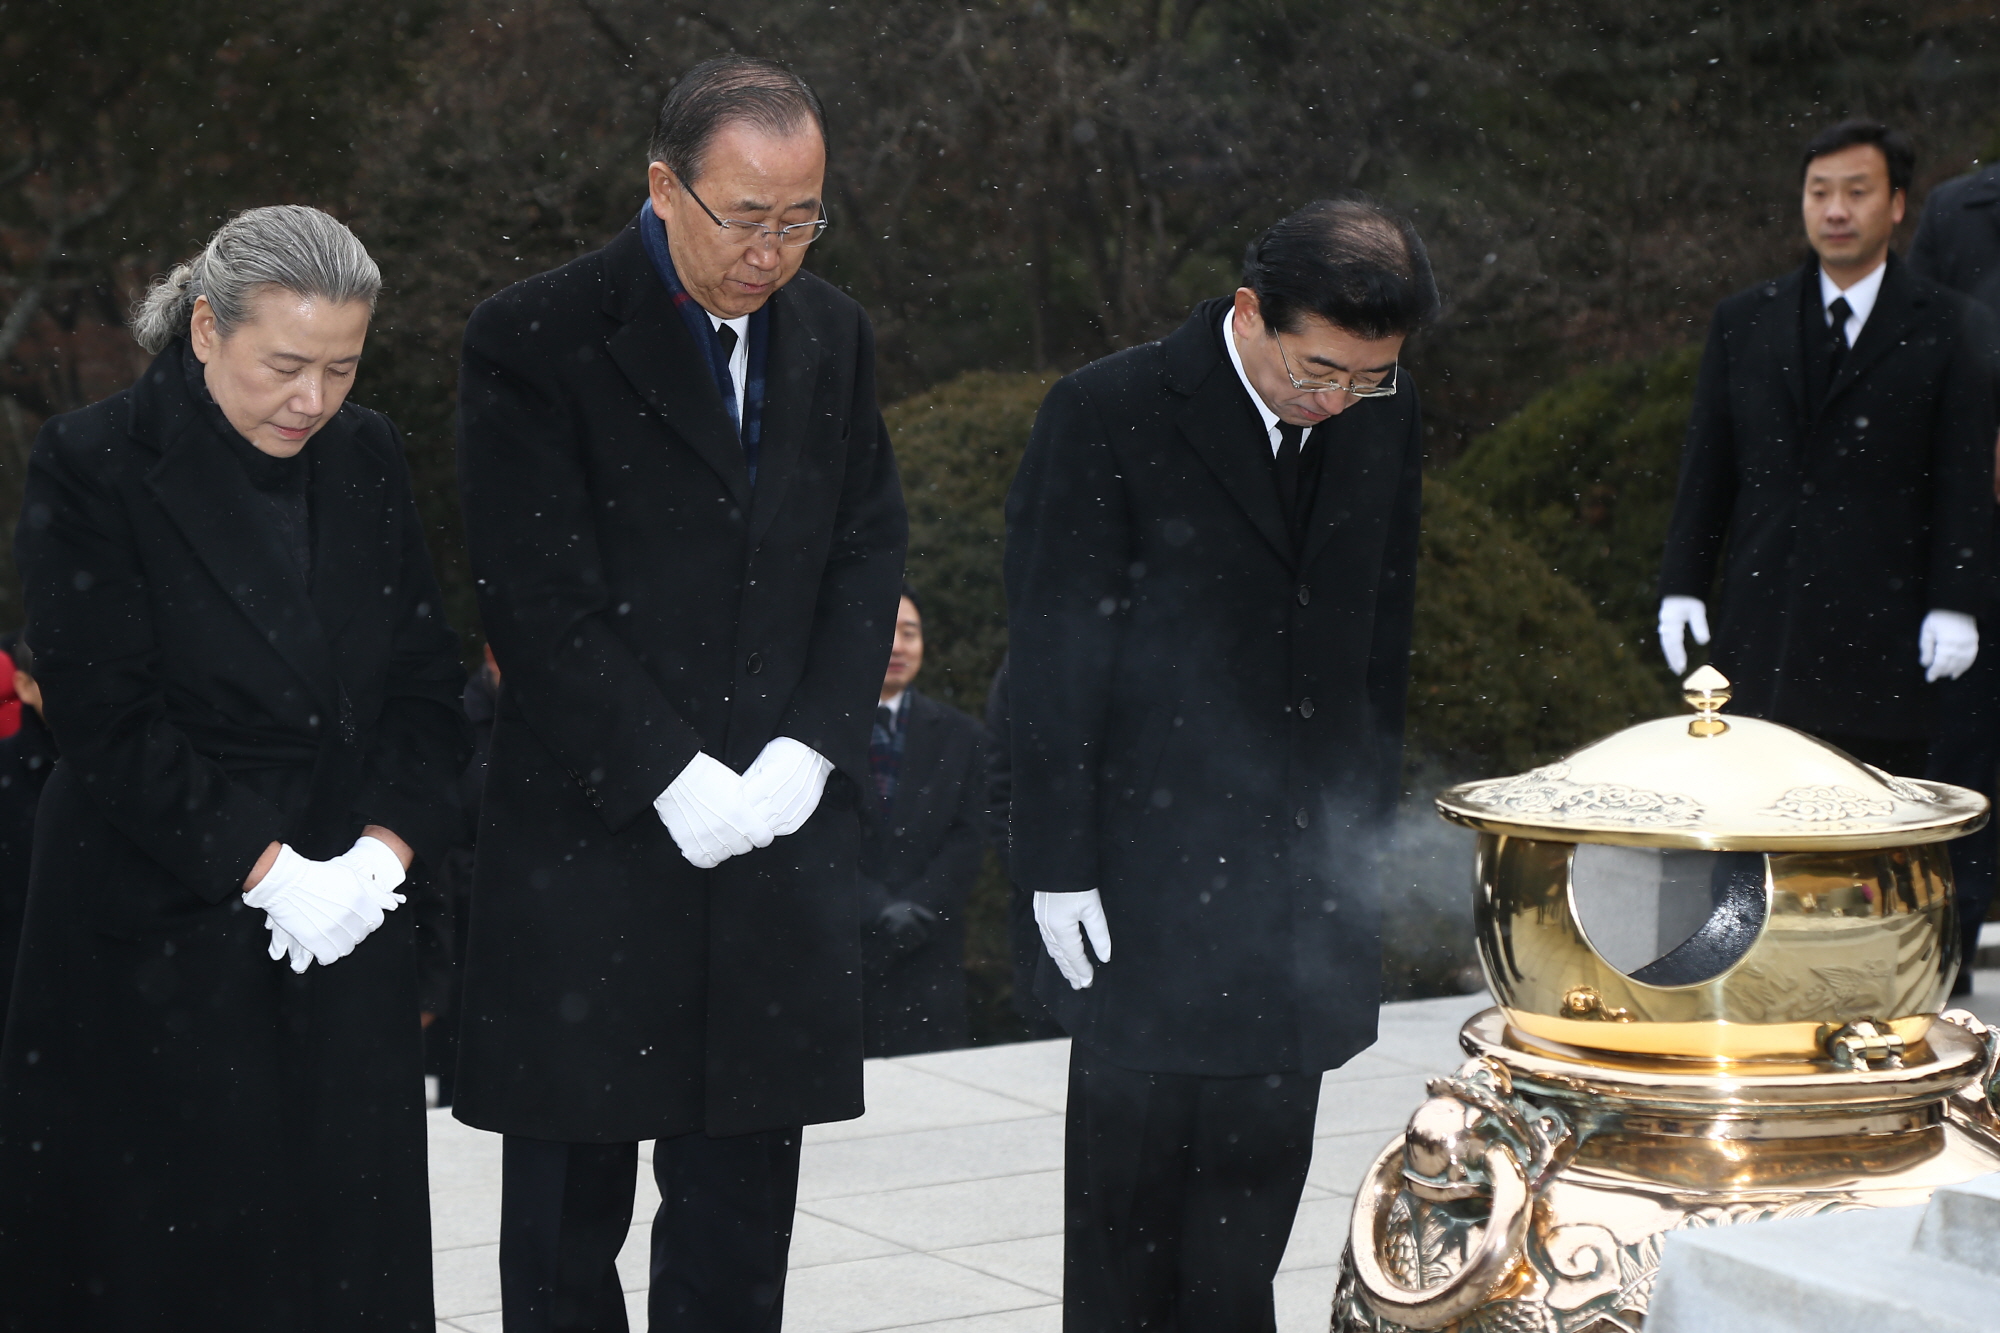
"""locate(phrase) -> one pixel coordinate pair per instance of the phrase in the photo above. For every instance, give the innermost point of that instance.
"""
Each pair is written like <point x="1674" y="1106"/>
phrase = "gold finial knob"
<point x="1706" y="691"/>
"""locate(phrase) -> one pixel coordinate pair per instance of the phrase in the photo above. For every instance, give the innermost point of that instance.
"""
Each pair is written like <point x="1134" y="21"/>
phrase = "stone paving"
<point x="941" y="1209"/>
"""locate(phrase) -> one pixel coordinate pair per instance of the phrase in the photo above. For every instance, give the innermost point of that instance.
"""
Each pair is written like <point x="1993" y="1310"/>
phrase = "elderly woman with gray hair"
<point x="211" y="1084"/>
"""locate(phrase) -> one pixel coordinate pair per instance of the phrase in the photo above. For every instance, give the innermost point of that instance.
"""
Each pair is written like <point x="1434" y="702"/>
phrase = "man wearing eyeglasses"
<point x="688" y="537"/>
<point x="1211" y="555"/>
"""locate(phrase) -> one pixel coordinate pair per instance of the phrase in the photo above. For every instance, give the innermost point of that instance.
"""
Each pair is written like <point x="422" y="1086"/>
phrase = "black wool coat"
<point x="644" y="603"/>
<point x="924" y="849"/>
<point x="191" y="1136"/>
<point x="1837" y="525"/>
<point x="1958" y="238"/>
<point x="26" y="760"/>
<point x="1207" y="725"/>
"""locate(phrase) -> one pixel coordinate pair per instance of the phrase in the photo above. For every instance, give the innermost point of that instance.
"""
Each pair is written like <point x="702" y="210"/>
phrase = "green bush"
<point x="1510" y="666"/>
<point x="1585" y="473"/>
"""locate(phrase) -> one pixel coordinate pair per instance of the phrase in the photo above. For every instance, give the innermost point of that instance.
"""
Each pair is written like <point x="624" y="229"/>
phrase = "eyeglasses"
<point x="752" y="235"/>
<point x="1386" y="389"/>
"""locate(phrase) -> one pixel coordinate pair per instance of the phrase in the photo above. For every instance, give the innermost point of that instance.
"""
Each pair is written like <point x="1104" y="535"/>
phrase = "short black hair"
<point x="729" y="90"/>
<point x="1895" y="146"/>
<point x="1348" y="260"/>
<point x="915" y="600"/>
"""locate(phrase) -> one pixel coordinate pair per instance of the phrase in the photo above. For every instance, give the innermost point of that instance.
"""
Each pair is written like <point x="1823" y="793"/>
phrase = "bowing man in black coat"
<point x="688" y="534"/>
<point x="1839" y="471"/>
<point x="1958" y="245"/>
<point x="922" y="821"/>
<point x="242" y="651"/>
<point x="1211" y="555"/>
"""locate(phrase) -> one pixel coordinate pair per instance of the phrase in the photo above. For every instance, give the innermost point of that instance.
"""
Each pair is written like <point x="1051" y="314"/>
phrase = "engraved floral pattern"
<point x="1550" y="793"/>
<point x="1820" y="805"/>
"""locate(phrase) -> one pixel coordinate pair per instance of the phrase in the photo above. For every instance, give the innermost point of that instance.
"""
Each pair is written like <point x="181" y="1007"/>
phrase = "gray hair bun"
<point x="288" y="246"/>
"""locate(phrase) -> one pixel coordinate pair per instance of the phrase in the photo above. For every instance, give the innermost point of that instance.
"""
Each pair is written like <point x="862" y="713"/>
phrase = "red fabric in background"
<point x="10" y="703"/>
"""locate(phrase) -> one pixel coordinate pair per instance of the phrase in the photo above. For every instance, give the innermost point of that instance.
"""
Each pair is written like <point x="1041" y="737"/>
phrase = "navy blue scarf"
<point x="750" y="429"/>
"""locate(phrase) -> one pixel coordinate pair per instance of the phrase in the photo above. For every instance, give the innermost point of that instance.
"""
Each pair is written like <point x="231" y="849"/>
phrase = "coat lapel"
<point x="789" y="380"/>
<point x="205" y="493"/>
<point x="350" y="516"/>
<point x="1896" y="306"/>
<point x="1221" y="423"/>
<point x="658" y="357"/>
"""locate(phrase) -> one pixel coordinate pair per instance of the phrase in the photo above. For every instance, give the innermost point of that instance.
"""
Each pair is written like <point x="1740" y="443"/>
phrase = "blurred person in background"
<point x="921" y="840"/>
<point x="211" y="1110"/>
<point x="1836" y="488"/>
<point x="27" y="754"/>
<point x="1958" y="245"/>
<point x="1211" y="570"/>
<point x="688" y="533"/>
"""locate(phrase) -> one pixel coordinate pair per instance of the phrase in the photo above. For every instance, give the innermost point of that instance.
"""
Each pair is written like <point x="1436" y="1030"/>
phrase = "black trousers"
<point x="1179" y="1196"/>
<point x="720" y="1239"/>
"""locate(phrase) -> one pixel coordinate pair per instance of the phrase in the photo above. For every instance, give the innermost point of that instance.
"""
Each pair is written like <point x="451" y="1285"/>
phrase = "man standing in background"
<point x="1958" y="245"/>
<point x="921" y="838"/>
<point x="1211" y="561"/>
<point x="1839" y="471"/>
<point x="688" y="537"/>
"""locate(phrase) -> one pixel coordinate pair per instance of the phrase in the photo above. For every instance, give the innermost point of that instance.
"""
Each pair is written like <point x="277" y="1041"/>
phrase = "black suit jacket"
<point x="644" y="603"/>
<point x="924" y="849"/>
<point x="1837" y="525"/>
<point x="1207" y="727"/>
<point x="208" y="702"/>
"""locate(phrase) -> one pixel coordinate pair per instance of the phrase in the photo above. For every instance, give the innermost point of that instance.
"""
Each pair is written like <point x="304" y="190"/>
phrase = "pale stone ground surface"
<point x="941" y="1209"/>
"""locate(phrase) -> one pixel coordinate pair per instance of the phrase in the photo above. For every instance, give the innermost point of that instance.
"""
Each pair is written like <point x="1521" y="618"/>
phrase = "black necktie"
<point x="1286" y="467"/>
<point x="728" y="336"/>
<point x="1841" y="312"/>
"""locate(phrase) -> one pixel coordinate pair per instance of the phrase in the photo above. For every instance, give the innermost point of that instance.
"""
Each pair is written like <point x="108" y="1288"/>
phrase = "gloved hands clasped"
<point x="1947" y="644"/>
<point x="319" y="910"/>
<point x="1065" y="918"/>
<point x="714" y="813"/>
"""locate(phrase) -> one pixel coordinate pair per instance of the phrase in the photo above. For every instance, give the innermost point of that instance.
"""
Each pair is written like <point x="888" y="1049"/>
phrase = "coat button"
<point x="1305" y="708"/>
<point x="755" y="664"/>
<point x="1305" y="594"/>
<point x="1301" y="819"/>
<point x="1807" y="489"/>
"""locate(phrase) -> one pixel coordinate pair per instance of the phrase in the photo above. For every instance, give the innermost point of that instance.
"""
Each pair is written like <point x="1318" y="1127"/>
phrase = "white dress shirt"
<point x="739" y="357"/>
<point x="1256" y="399"/>
<point x="1860" y="299"/>
<point x="894" y="703"/>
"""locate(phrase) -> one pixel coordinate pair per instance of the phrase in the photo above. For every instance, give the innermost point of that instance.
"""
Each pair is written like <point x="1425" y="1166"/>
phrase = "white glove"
<point x="1065" y="918"/>
<point x="324" y="908"/>
<point x="1947" y="644"/>
<point x="785" y="783"/>
<point x="710" y="815"/>
<point x="1678" y="614"/>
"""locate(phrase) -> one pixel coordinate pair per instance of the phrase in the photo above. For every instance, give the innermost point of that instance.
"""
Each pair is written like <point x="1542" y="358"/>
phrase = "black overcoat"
<point x="1958" y="239"/>
<point x="645" y="604"/>
<point x="26" y="760"/>
<point x="1837" y="525"/>
<point x="924" y="849"/>
<point x="191" y="1136"/>
<point x="1207" y="726"/>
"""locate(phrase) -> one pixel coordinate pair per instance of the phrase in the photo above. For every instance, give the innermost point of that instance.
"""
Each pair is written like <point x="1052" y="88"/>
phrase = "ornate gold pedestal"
<point x="1782" y="1056"/>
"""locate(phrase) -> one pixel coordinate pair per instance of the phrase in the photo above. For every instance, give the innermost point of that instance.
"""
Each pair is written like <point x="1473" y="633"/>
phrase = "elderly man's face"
<point x="1318" y="351"/>
<point x="747" y="175"/>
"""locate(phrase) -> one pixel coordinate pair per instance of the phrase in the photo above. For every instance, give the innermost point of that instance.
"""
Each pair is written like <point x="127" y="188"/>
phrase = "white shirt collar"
<point x="739" y="356"/>
<point x="894" y="703"/>
<point x="1860" y="298"/>
<point x="1256" y="399"/>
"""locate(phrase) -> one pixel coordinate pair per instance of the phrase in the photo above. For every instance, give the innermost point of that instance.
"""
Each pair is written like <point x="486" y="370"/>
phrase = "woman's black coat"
<point x="1207" y="723"/>
<point x="191" y="1136"/>
<point x="1837" y="524"/>
<point x="645" y="602"/>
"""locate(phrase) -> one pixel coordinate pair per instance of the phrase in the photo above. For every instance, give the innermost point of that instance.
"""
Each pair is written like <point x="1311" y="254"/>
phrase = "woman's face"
<point x="286" y="370"/>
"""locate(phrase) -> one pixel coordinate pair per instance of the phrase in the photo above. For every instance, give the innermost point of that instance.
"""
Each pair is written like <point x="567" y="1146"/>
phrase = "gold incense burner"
<point x="1719" y="947"/>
